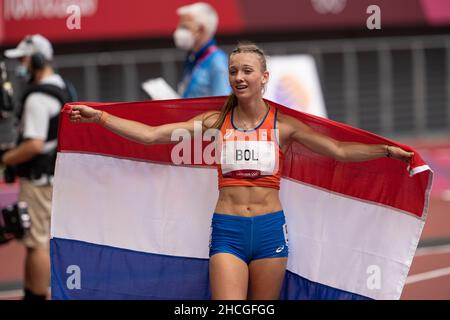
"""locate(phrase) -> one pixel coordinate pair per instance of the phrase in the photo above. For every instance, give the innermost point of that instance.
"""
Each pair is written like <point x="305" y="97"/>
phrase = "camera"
<point x="6" y="93"/>
<point x="14" y="222"/>
<point x="8" y="117"/>
<point x="8" y="120"/>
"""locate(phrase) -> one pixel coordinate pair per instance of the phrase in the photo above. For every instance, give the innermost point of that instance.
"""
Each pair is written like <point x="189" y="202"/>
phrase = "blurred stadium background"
<point x="394" y="81"/>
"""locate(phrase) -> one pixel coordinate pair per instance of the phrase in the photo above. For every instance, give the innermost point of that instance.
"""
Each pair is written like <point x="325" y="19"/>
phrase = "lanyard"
<point x="184" y="85"/>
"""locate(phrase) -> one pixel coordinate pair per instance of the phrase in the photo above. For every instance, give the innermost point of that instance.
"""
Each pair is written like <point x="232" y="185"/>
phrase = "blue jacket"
<point x="205" y="75"/>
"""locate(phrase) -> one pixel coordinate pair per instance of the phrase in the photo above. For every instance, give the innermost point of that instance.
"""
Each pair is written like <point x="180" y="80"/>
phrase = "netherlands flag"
<point x="127" y="223"/>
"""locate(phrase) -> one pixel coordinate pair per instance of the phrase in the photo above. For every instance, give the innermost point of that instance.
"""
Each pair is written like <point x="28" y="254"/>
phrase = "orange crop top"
<point x="250" y="157"/>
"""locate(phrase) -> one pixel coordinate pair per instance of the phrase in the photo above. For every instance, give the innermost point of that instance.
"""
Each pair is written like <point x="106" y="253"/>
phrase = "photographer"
<point x="33" y="159"/>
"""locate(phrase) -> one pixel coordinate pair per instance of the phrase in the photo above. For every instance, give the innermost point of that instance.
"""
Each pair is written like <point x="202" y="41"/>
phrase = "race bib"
<point x="248" y="159"/>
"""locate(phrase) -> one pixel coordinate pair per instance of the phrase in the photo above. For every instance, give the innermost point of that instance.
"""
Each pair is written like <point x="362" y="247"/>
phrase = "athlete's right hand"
<point x="84" y="114"/>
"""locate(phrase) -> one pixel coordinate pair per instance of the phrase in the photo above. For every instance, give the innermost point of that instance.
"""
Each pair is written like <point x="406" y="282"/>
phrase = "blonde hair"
<point x="242" y="47"/>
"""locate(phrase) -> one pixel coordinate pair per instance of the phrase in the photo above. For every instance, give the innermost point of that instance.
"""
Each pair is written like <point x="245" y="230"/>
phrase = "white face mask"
<point x="184" y="39"/>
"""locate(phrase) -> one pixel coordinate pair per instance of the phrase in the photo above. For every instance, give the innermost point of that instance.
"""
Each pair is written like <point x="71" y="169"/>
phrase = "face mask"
<point x="184" y="39"/>
<point x="22" y="71"/>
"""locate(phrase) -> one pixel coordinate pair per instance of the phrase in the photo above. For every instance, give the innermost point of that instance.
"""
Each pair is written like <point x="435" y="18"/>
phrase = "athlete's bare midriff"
<point x="248" y="201"/>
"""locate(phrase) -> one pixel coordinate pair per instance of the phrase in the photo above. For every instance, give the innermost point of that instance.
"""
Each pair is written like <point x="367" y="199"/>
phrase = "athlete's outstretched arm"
<point x="295" y="130"/>
<point x="129" y="129"/>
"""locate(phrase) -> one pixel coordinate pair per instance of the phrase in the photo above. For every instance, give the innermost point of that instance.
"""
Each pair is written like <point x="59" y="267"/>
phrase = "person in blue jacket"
<point x="206" y="67"/>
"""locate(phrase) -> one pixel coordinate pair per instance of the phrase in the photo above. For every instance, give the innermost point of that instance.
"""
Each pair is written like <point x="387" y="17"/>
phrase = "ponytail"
<point x="227" y="107"/>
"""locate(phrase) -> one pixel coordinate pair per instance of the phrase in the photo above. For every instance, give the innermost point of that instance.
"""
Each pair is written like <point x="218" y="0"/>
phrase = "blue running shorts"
<point x="249" y="238"/>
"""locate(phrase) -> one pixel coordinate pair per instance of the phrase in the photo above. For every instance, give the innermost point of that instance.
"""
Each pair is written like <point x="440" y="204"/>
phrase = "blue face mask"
<point x="22" y="71"/>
